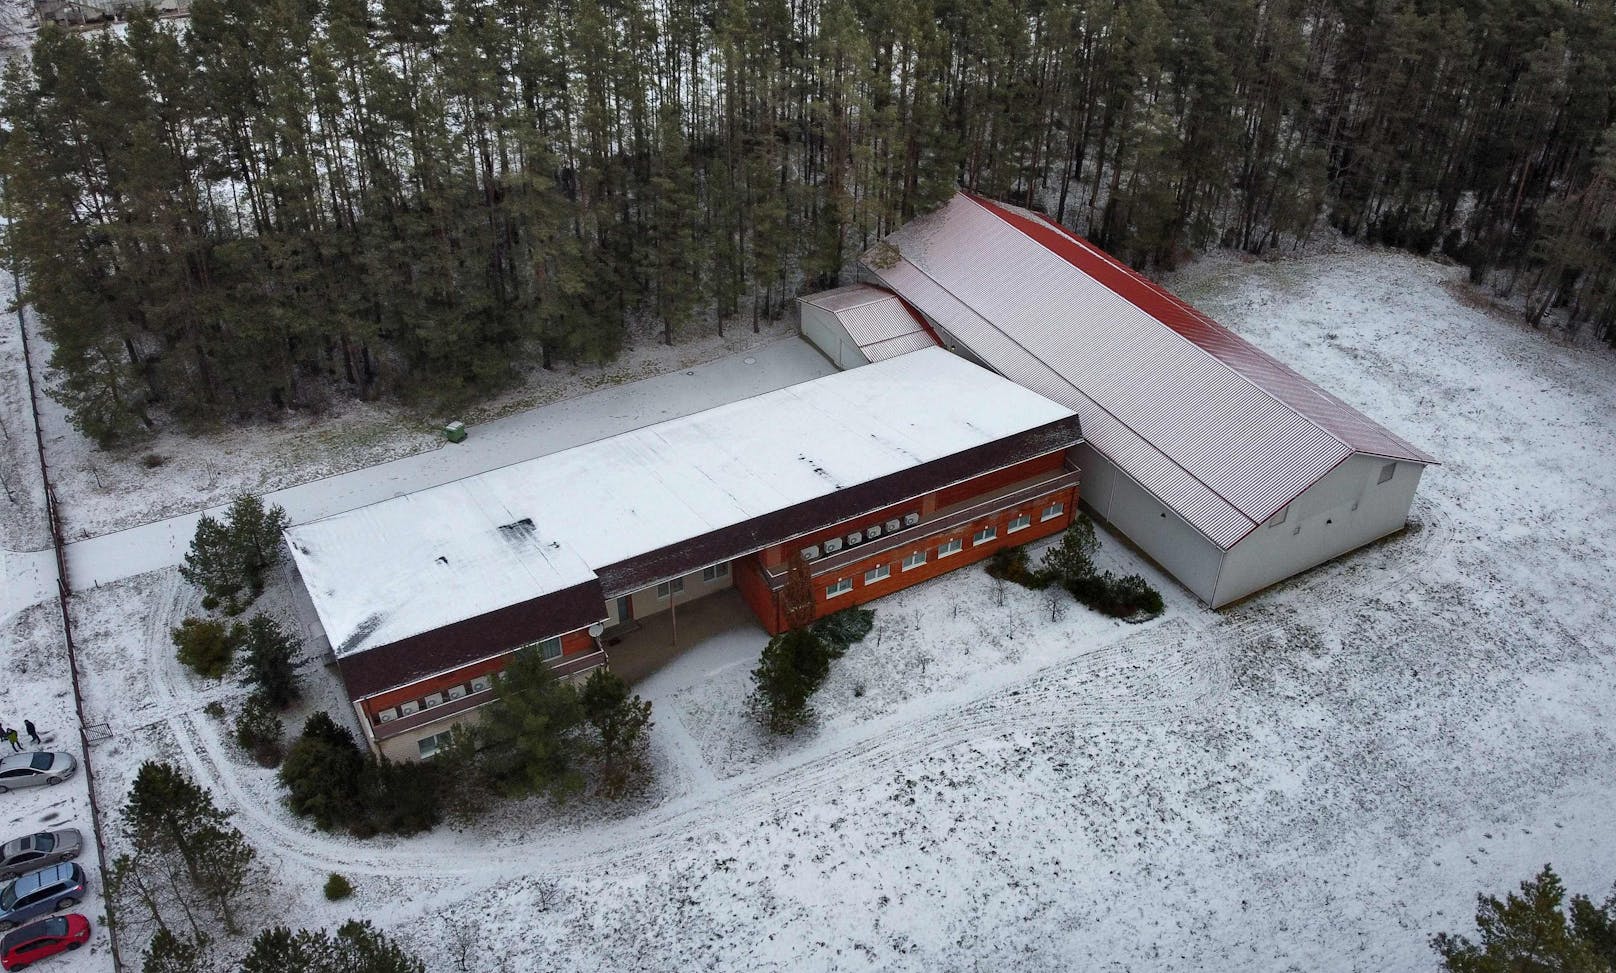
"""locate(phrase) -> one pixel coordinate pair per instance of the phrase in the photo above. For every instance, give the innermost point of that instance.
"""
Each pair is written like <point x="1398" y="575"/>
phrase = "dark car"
<point x="35" y="851"/>
<point x="40" y="892"/>
<point x="33" y="769"/>
<point x="37" y="940"/>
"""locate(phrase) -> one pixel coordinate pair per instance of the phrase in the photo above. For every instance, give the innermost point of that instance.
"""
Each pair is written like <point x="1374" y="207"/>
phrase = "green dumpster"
<point x="455" y="432"/>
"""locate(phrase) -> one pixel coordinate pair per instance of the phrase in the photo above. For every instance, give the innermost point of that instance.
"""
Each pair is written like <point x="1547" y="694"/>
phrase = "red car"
<point x="37" y="940"/>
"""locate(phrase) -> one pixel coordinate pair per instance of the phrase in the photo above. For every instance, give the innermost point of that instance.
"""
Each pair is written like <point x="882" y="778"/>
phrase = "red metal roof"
<point x="1217" y="430"/>
<point x="1334" y="416"/>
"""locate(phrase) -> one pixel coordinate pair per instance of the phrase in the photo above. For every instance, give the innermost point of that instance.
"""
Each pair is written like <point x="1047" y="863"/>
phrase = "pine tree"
<point x="789" y="671"/>
<point x="268" y="664"/>
<point x="532" y="734"/>
<point x="620" y="721"/>
<point x="169" y="815"/>
<point x="321" y="773"/>
<point x="171" y="953"/>
<point x="1530" y="932"/>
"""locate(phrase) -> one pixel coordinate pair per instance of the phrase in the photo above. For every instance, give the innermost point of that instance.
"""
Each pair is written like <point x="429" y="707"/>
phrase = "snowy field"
<point x="1317" y="779"/>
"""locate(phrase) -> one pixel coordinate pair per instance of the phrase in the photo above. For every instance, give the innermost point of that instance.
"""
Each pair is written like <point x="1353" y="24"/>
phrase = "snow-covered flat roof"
<point x="415" y="563"/>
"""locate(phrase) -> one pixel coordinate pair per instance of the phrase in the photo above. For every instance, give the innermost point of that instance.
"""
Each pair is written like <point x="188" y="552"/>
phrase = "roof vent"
<point x="442" y="559"/>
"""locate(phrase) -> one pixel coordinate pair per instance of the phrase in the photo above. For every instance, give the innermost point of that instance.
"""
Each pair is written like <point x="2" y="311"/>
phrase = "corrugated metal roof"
<point x="877" y="320"/>
<point x="1220" y="432"/>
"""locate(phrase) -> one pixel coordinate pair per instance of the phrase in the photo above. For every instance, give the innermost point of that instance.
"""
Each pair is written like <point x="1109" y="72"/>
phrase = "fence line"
<point x="64" y="593"/>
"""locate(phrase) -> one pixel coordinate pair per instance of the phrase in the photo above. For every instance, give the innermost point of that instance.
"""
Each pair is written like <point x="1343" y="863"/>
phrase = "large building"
<point x="1228" y="468"/>
<point x="861" y="483"/>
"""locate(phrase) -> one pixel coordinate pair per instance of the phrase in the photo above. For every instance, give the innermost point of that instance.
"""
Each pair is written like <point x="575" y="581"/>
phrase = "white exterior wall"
<point x="645" y="601"/>
<point x="1171" y="542"/>
<point x="821" y="328"/>
<point x="1345" y="510"/>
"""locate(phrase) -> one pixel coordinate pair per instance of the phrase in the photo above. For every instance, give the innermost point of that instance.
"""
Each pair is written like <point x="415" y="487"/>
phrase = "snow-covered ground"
<point x="1317" y="779"/>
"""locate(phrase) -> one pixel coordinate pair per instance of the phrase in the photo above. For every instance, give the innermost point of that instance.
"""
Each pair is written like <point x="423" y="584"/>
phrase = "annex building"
<point x="863" y="482"/>
<point x="1229" y="469"/>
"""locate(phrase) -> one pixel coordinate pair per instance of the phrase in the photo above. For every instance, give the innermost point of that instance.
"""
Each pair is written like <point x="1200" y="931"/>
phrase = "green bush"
<point x="794" y="664"/>
<point x="206" y="645"/>
<point x="845" y="628"/>
<point x="329" y="779"/>
<point x="337" y="888"/>
<point x="258" y="731"/>
<point x="1118" y="597"/>
<point x="230" y="559"/>
<point x="1012" y="564"/>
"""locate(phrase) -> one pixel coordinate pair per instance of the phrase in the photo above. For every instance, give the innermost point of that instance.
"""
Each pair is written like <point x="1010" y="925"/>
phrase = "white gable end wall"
<point x="1344" y="510"/>
<point x="826" y="333"/>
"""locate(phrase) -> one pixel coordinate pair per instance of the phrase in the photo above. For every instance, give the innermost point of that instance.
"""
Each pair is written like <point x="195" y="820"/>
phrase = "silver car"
<point x="32" y="769"/>
<point x="38" y="850"/>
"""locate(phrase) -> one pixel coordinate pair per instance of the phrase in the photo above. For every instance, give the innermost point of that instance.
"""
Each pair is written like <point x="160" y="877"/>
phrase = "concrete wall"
<point x="1171" y="542"/>
<point x="821" y="328"/>
<point x="1345" y="510"/>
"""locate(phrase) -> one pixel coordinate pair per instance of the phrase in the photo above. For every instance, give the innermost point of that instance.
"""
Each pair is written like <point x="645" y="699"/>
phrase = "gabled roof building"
<point x="1227" y="467"/>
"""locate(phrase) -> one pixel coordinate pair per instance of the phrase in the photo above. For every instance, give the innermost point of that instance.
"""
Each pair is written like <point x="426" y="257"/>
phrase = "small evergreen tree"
<point x="206" y="645"/>
<point x="1073" y="558"/>
<point x="1529" y="933"/>
<point x="790" y="669"/>
<point x="620" y="722"/>
<point x="337" y="887"/>
<point x="268" y="663"/>
<point x="171" y="953"/>
<point x="321" y="773"/>
<point x="532" y="742"/>
<point x="356" y="948"/>
<point x="230" y="559"/>
<point x="258" y="731"/>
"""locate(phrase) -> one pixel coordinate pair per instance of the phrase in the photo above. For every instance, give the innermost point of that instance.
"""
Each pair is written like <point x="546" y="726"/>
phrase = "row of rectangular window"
<point x="709" y="574"/>
<point x="951" y="546"/>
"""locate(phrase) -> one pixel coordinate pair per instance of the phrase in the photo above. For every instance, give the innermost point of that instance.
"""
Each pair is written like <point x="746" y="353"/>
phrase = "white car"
<point x="33" y="769"/>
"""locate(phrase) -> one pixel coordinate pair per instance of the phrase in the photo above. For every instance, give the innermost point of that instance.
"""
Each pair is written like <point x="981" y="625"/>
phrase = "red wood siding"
<point x="572" y="644"/>
<point x="773" y="617"/>
<point x="988" y="482"/>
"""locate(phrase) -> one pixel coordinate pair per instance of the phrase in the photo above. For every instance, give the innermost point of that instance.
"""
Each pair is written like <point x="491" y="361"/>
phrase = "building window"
<point x="949" y="547"/>
<point x="1052" y="511"/>
<point x="984" y="535"/>
<point x="549" y="648"/>
<point x="666" y="588"/>
<point x="1279" y="518"/>
<point x="914" y="560"/>
<point x="878" y="573"/>
<point x="841" y="587"/>
<point x="432" y="744"/>
<point x="1387" y="472"/>
<point x="1019" y="522"/>
<point x="715" y="572"/>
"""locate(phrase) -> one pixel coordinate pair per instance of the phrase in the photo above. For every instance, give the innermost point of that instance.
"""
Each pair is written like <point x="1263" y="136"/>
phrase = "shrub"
<point x="1012" y="564"/>
<point x="845" y="628"/>
<point x="789" y="671"/>
<point x="258" y="731"/>
<point x="205" y="645"/>
<point x="329" y="779"/>
<point x="153" y="460"/>
<point x="321" y="773"/>
<point x="1117" y="597"/>
<point x="337" y="888"/>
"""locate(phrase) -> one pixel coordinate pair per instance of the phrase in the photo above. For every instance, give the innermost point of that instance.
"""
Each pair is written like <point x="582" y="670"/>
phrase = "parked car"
<point x="32" y="769"/>
<point x="42" y="891"/>
<point x="35" y="851"/>
<point x="37" y="940"/>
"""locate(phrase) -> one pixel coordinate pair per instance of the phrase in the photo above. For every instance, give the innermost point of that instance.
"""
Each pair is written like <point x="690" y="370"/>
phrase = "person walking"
<point x="11" y="738"/>
<point x="33" y="734"/>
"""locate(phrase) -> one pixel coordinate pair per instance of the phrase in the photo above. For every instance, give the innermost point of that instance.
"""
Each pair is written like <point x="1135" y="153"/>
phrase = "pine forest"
<point x="278" y="202"/>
